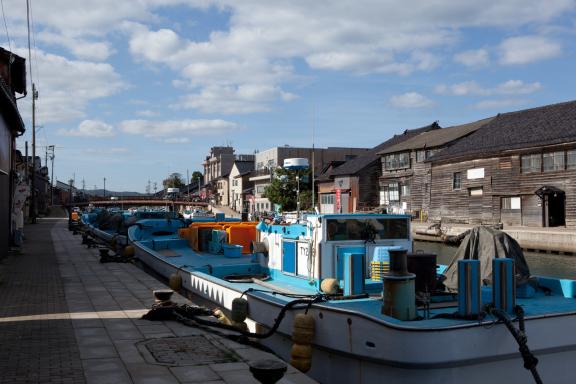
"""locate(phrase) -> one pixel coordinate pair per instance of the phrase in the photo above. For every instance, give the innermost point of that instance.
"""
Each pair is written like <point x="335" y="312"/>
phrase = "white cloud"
<point x="378" y="37"/>
<point x="90" y="128"/>
<point x="147" y="113"/>
<point x="106" y="151"/>
<point x="473" y="58"/>
<point x="67" y="86"/>
<point x="517" y="87"/>
<point x="151" y="128"/>
<point x="81" y="48"/>
<point x="472" y="88"/>
<point x="265" y="39"/>
<point x="245" y="98"/>
<point x="499" y="104"/>
<point x="528" y="49"/>
<point x="411" y="100"/>
<point x="462" y="89"/>
<point x="177" y="140"/>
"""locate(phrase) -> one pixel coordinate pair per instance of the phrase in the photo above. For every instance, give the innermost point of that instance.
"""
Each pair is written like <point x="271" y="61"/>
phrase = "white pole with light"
<point x="296" y="164"/>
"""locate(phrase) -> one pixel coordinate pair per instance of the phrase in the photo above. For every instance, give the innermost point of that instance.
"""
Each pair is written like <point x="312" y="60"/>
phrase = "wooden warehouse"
<point x="405" y="178"/>
<point x="519" y="169"/>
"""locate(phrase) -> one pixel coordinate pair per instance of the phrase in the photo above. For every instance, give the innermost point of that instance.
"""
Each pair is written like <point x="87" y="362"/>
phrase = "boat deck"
<point x="214" y="267"/>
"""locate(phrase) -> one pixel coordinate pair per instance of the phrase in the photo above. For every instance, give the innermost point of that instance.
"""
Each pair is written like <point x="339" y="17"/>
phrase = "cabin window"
<point x="571" y="159"/>
<point x="476" y="191"/>
<point x="531" y="163"/>
<point x="365" y="229"/>
<point x="456" y="181"/>
<point x="397" y="161"/>
<point x="511" y="203"/>
<point x="553" y="161"/>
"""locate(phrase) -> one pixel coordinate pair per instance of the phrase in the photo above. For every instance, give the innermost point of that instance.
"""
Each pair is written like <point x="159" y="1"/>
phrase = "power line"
<point x="6" y="25"/>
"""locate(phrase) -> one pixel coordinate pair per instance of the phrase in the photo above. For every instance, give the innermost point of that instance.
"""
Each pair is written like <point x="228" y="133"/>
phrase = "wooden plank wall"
<point x="502" y="178"/>
<point x="368" y="189"/>
<point x="457" y="205"/>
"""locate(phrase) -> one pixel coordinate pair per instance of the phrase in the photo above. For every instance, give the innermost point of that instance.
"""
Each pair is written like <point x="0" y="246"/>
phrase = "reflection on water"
<point x="542" y="264"/>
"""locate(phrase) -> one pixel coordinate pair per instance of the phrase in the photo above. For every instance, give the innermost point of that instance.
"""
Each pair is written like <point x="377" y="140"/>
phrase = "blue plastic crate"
<point x="232" y="250"/>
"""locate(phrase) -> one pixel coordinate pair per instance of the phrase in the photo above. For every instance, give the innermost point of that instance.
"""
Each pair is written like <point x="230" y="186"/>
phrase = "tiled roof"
<point x="352" y="166"/>
<point x="548" y="125"/>
<point x="244" y="167"/>
<point x="436" y="138"/>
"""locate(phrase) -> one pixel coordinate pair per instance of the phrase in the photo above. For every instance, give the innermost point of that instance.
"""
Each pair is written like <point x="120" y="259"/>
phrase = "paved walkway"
<point x="66" y="318"/>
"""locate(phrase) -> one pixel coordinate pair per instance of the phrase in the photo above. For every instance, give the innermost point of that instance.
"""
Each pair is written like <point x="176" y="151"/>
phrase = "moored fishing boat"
<point x="353" y="272"/>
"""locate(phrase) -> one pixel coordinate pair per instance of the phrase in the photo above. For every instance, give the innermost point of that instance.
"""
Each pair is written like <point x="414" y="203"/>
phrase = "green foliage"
<point x="173" y="181"/>
<point x="282" y="189"/>
<point x="195" y="176"/>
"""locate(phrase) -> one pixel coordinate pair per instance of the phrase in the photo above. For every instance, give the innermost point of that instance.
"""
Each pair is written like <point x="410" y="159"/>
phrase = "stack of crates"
<point x="380" y="264"/>
<point x="218" y="239"/>
<point x="243" y="235"/>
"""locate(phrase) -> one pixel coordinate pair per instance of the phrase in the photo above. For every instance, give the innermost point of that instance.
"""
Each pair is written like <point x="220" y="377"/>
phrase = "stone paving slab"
<point x="79" y="321"/>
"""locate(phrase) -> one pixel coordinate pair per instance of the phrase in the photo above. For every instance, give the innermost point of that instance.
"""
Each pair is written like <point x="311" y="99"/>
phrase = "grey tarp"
<point x="484" y="244"/>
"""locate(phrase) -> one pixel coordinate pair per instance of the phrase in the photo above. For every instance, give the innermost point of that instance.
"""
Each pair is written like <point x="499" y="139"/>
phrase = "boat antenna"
<point x="313" y="165"/>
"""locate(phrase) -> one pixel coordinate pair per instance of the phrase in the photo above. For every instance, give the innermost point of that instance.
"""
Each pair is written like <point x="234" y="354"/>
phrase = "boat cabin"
<point x="349" y="248"/>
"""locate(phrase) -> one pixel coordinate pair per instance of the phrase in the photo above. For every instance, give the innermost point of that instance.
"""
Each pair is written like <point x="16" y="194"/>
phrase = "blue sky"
<point x="133" y="91"/>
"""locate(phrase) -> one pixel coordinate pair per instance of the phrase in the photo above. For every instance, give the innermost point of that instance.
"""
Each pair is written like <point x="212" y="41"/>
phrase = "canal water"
<point x="541" y="264"/>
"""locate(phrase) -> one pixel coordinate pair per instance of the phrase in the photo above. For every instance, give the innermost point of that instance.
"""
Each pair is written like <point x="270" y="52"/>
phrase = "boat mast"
<point x="313" y="191"/>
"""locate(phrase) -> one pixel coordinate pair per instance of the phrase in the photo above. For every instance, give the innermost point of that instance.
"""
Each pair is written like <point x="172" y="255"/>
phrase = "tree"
<point x="282" y="189"/>
<point x="197" y="175"/>
<point x="173" y="181"/>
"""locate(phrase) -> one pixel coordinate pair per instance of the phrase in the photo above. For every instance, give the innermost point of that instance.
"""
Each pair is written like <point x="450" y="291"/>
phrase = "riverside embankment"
<point x="555" y="240"/>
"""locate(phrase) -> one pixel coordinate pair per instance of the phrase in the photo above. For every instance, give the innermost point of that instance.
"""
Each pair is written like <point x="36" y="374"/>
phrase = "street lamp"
<point x="104" y="188"/>
<point x="296" y="164"/>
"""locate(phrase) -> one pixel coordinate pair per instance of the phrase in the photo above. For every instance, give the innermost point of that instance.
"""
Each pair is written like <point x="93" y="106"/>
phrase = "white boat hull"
<point x="352" y="347"/>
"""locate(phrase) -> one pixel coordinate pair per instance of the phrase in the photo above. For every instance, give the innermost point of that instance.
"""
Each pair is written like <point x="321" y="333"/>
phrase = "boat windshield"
<point x="366" y="229"/>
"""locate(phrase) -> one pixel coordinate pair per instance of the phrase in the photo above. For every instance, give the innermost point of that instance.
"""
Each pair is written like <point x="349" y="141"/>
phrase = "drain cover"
<point x="190" y="350"/>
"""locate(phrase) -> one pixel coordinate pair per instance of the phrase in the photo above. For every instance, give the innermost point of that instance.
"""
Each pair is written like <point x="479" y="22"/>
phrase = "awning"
<point x="547" y="190"/>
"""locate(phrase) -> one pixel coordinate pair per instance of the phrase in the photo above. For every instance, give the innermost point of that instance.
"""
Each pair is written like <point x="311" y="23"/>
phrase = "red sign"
<point x="338" y="205"/>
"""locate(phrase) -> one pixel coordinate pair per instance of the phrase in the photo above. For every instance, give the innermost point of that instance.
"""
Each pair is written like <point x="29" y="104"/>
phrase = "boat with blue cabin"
<point x="378" y="309"/>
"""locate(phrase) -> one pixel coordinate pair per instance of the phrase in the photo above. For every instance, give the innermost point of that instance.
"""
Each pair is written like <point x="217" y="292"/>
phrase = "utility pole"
<point x="104" y="188"/>
<point x="188" y="183"/>
<point x="50" y="148"/>
<point x="32" y="212"/>
<point x="71" y="182"/>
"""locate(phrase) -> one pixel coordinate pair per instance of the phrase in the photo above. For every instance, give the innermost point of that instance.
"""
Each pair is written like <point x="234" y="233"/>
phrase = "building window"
<point x="475" y="173"/>
<point x="532" y="163"/>
<point x="393" y="192"/>
<point x="420" y="156"/>
<point x="456" y="181"/>
<point x="476" y="191"/>
<point x="261" y="188"/>
<point x="327" y="198"/>
<point x="571" y="159"/>
<point x="405" y="190"/>
<point x="383" y="197"/>
<point x="397" y="161"/>
<point x="511" y="203"/>
<point x="553" y="161"/>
